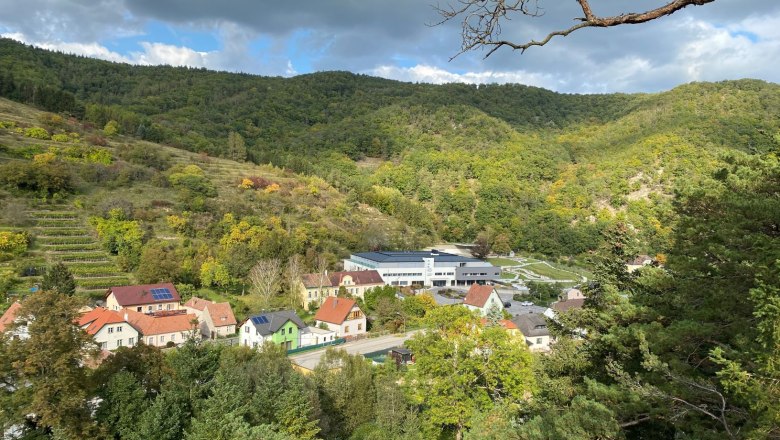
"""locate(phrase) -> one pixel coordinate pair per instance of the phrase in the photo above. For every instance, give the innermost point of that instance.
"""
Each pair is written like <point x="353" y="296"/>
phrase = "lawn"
<point x="551" y="272"/>
<point x="507" y="276"/>
<point x="502" y="262"/>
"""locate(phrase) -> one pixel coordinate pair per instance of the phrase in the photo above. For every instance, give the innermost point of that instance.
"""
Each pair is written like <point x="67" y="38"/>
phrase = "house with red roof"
<point x="11" y="317"/>
<point x="144" y="298"/>
<point x="110" y="329"/>
<point x="343" y="316"/>
<point x="315" y="287"/>
<point x="162" y="328"/>
<point x="215" y="319"/>
<point x="482" y="298"/>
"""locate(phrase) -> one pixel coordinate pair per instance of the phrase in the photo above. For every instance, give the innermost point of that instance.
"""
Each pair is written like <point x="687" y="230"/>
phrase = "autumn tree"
<point x="482" y="21"/>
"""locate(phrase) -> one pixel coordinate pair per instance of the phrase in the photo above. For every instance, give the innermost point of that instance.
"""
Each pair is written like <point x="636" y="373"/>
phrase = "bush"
<point x="61" y="137"/>
<point x="36" y="133"/>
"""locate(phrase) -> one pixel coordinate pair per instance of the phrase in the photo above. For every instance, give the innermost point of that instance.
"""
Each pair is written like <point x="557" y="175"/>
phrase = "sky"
<point x="396" y="39"/>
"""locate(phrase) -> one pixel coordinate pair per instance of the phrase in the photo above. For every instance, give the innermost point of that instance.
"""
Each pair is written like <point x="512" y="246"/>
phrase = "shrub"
<point x="13" y="244"/>
<point x="36" y="133"/>
<point x="61" y="137"/>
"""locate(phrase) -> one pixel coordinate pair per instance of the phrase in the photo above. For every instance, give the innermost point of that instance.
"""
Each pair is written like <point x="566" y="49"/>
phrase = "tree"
<point x="482" y="20"/>
<point x="236" y="149"/>
<point x="292" y="275"/>
<point x="482" y="245"/>
<point x="346" y="391"/>
<point x="159" y="263"/>
<point x="265" y="278"/>
<point x="47" y="370"/>
<point x="59" y="278"/>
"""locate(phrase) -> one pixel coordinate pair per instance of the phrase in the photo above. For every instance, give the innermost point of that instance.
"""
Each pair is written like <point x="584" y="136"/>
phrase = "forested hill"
<point x="535" y="170"/>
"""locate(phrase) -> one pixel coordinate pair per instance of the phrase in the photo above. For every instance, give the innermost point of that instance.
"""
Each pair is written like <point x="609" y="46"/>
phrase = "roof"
<point x="270" y="322"/>
<point x="562" y="306"/>
<point x="9" y="316"/>
<point x="197" y="303"/>
<point x="221" y="314"/>
<point x="319" y="331"/>
<point x="97" y="318"/>
<point x="359" y="277"/>
<point x="478" y="295"/>
<point x="161" y="322"/>
<point x="335" y="310"/>
<point x="413" y="256"/>
<point x="142" y="294"/>
<point x="507" y="324"/>
<point x="531" y="324"/>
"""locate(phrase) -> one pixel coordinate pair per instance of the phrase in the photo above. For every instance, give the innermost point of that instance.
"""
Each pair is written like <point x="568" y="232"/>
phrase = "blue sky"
<point x="726" y="39"/>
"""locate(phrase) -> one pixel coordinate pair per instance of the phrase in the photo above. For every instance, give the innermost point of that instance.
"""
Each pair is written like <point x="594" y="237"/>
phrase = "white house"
<point x="281" y="327"/>
<point x="162" y="328"/>
<point x="316" y="336"/>
<point x="215" y="319"/>
<point x="110" y="329"/>
<point x="482" y="298"/>
<point x="533" y="326"/>
<point x="343" y="316"/>
<point x="145" y="298"/>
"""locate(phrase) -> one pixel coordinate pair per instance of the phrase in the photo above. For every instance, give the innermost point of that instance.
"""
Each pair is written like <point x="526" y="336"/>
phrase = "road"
<point x="310" y="359"/>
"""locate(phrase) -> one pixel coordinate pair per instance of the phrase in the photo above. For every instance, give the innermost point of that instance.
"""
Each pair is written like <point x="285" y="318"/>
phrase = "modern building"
<point x="282" y="328"/>
<point x="316" y="287"/>
<point x="343" y="316"/>
<point x="424" y="268"/>
<point x="146" y="298"/>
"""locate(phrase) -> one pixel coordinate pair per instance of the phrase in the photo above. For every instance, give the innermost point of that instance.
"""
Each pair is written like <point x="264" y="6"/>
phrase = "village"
<point x="156" y="314"/>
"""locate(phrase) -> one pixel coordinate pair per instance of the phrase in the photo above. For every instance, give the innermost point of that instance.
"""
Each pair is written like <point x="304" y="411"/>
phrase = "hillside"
<point x="110" y="206"/>
<point x="535" y="170"/>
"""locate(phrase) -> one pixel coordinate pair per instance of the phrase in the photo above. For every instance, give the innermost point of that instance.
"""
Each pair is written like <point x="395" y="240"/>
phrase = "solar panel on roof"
<point x="263" y="320"/>
<point x="259" y="320"/>
<point x="161" y="294"/>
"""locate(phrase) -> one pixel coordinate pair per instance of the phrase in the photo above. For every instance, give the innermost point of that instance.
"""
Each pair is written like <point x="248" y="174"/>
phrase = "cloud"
<point x="435" y="75"/>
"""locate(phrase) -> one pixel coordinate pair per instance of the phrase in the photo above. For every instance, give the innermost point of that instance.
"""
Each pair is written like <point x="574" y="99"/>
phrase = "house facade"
<point x="343" y="316"/>
<point x="315" y="336"/>
<point x="424" y="268"/>
<point x="215" y="319"/>
<point x="145" y="298"/>
<point x="160" y="329"/>
<point x="482" y="298"/>
<point x="533" y="326"/>
<point x="316" y="287"/>
<point x="109" y="329"/>
<point x="281" y="328"/>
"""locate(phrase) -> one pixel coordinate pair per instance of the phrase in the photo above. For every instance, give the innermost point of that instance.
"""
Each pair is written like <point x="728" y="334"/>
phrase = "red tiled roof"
<point x="96" y="318"/>
<point x="9" y="316"/>
<point x="221" y="314"/>
<point x="313" y="280"/>
<point x="562" y="306"/>
<point x="141" y="294"/>
<point x="335" y="310"/>
<point x="160" y="323"/>
<point x="197" y="303"/>
<point x="359" y="277"/>
<point x="478" y="295"/>
<point x="507" y="324"/>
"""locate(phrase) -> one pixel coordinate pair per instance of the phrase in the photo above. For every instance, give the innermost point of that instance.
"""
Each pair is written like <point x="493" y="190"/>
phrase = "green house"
<point x="282" y="327"/>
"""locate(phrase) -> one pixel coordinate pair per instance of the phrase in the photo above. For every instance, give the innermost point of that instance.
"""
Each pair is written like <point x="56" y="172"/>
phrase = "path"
<point x="310" y="359"/>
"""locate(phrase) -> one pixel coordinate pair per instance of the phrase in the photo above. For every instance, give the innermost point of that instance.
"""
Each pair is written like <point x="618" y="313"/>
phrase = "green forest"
<point x="130" y="174"/>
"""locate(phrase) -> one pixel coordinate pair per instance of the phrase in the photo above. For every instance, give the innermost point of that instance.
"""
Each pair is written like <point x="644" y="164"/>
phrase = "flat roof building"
<point x="424" y="268"/>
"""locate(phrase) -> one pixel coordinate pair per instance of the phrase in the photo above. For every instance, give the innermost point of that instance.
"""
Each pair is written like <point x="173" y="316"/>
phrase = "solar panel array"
<point x="259" y="319"/>
<point x="162" y="294"/>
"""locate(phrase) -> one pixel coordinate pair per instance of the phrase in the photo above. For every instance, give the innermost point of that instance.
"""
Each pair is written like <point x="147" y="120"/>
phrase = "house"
<point x="282" y="327"/>
<point x="343" y="316"/>
<point x="567" y="304"/>
<point x="639" y="262"/>
<point x="482" y="298"/>
<point x="110" y="329"/>
<point x="215" y="319"/>
<point x="533" y="326"/>
<point x="572" y="293"/>
<point x="508" y="325"/>
<point x="146" y="298"/>
<point x="424" y="268"/>
<point x="315" y="336"/>
<point x="316" y="287"/>
<point x="401" y="356"/>
<point x="10" y="317"/>
<point x="162" y="328"/>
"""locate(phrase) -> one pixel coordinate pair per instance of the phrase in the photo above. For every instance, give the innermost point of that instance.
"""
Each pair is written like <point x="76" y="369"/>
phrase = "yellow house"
<point x="315" y="287"/>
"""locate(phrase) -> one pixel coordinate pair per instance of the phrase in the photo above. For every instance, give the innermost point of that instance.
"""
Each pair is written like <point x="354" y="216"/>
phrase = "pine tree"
<point x="59" y="278"/>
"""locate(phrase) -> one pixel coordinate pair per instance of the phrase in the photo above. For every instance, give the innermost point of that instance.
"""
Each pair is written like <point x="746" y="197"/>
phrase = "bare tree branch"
<point x="265" y="278"/>
<point x="481" y="20"/>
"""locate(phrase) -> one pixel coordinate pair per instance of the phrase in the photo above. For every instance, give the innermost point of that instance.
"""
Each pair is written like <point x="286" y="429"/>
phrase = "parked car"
<point x="526" y="303"/>
<point x="507" y="304"/>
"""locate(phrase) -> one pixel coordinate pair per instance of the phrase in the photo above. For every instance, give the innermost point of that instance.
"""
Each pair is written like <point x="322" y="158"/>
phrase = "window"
<point x="360" y="326"/>
<point x="103" y="345"/>
<point x="346" y="329"/>
<point x="149" y="309"/>
<point x="111" y="330"/>
<point x="118" y="343"/>
<point x="168" y="307"/>
<point x="538" y="340"/>
<point x="159" y="306"/>
<point x="119" y="328"/>
<point x="283" y="332"/>
<point x="131" y="342"/>
<point x="173" y="337"/>
<point x="162" y="339"/>
<point x="139" y="309"/>
<point x="150" y="341"/>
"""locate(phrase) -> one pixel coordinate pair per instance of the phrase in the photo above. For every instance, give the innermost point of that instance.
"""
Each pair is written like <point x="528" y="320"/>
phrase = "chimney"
<point x="125" y="316"/>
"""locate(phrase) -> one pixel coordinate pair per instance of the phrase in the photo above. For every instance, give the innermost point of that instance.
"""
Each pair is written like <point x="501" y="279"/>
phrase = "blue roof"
<point x="413" y="257"/>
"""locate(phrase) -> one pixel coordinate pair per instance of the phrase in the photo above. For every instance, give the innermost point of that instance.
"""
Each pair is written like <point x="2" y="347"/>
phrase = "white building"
<point x="316" y="336"/>
<point x="533" y="326"/>
<point x="482" y="298"/>
<point x="215" y="319"/>
<point x="424" y="268"/>
<point x="343" y="316"/>
<point x="110" y="329"/>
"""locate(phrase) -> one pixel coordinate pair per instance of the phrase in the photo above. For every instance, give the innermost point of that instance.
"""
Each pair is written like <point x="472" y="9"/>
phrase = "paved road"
<point x="310" y="359"/>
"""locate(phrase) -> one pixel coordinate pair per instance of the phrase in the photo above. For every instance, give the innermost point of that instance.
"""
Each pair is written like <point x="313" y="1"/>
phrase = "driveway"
<point x="310" y="359"/>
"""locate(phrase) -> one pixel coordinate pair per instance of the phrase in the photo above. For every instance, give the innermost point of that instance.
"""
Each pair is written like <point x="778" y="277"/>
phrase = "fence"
<point x="338" y="341"/>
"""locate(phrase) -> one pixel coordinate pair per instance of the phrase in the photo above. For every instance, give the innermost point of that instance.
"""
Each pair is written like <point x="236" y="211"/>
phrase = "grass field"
<point x="551" y="272"/>
<point x="507" y="275"/>
<point x="502" y="262"/>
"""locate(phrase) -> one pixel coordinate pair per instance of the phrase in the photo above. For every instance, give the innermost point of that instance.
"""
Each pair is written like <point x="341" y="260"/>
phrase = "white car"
<point x="526" y="303"/>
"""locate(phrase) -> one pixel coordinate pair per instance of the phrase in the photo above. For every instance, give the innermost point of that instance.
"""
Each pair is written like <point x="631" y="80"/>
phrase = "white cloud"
<point x="435" y="75"/>
<point x="159" y="53"/>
